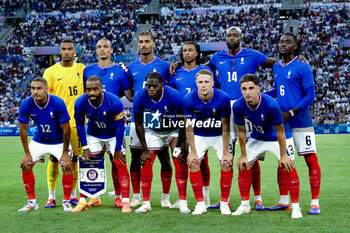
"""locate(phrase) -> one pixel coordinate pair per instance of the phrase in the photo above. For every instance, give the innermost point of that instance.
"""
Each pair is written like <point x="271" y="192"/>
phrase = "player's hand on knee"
<point x="286" y="163"/>
<point x="192" y="158"/>
<point x="120" y="156"/>
<point x="227" y="159"/>
<point x="66" y="162"/>
<point x="86" y="154"/>
<point x="26" y="161"/>
<point x="242" y="163"/>
<point x="146" y="155"/>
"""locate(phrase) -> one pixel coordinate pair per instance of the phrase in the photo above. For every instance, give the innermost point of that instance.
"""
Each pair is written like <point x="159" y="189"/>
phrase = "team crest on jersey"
<point x="289" y="73"/>
<point x="111" y="77"/>
<point x="154" y="70"/>
<point x="104" y="113"/>
<point x="214" y="110"/>
<point x="242" y="60"/>
<point x="166" y="108"/>
<point x="262" y="117"/>
<point x="51" y="115"/>
<point x="92" y="174"/>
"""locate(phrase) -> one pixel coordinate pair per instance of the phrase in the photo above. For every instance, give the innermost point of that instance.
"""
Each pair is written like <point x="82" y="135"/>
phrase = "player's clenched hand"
<point x="286" y="163"/>
<point x="227" y="157"/>
<point x="86" y="154"/>
<point x="26" y="161"/>
<point x="146" y="155"/>
<point x="66" y="162"/>
<point x="242" y="163"/>
<point x="173" y="67"/>
<point x="120" y="156"/>
<point x="192" y="157"/>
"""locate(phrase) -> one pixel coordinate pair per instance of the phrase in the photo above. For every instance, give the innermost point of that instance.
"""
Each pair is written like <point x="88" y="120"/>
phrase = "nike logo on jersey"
<point x="178" y="79"/>
<point x="60" y="79"/>
<point x="135" y="73"/>
<point x="148" y="109"/>
<point x="308" y="148"/>
<point x="222" y="62"/>
<point x="32" y="115"/>
<point x="197" y="111"/>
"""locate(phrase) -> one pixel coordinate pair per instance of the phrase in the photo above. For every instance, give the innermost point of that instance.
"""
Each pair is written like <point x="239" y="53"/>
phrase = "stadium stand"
<point x="322" y="29"/>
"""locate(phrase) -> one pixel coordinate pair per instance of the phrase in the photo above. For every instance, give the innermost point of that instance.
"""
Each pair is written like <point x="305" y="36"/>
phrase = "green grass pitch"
<point x="334" y="158"/>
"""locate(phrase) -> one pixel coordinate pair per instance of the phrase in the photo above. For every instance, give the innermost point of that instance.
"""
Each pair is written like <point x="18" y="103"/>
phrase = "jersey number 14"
<point x="232" y="77"/>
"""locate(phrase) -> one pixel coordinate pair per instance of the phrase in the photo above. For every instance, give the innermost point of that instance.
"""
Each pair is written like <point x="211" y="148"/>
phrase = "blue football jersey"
<point x="232" y="67"/>
<point x="206" y="116"/>
<point x="185" y="80"/>
<point x="138" y="71"/>
<point x="264" y="117"/>
<point x="160" y="115"/>
<point x="114" y="78"/>
<point x="290" y="82"/>
<point x="48" y="118"/>
<point x="102" y="119"/>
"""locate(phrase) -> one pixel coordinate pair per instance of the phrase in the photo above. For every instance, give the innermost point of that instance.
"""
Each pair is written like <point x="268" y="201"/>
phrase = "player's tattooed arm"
<point x="27" y="159"/>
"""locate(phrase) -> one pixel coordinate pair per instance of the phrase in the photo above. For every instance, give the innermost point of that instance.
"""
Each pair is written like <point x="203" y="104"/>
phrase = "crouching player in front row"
<point x="105" y="113"/>
<point x="269" y="135"/>
<point x="207" y="112"/>
<point x="154" y="105"/>
<point x="50" y="114"/>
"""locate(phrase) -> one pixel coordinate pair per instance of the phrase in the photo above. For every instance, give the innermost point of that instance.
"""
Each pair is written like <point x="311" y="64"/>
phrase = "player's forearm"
<point x="225" y="134"/>
<point x="307" y="100"/>
<point x="141" y="134"/>
<point x="66" y="136"/>
<point x="242" y="140"/>
<point x="24" y="137"/>
<point x="190" y="137"/>
<point x="129" y="95"/>
<point x="281" y="138"/>
<point x="81" y="132"/>
<point x="119" y="134"/>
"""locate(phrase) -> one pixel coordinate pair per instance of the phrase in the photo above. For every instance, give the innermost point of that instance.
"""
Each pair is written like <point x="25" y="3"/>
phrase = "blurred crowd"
<point x="322" y="28"/>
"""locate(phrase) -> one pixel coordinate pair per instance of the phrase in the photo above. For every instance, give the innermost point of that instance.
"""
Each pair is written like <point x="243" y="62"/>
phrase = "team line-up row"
<point x="236" y="108"/>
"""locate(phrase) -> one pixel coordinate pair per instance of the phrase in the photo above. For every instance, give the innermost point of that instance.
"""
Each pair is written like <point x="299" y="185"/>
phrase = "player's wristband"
<point x="177" y="152"/>
<point x="85" y="147"/>
<point x="291" y="112"/>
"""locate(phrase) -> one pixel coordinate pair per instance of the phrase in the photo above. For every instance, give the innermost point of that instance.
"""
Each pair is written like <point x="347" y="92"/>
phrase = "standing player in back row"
<point x="295" y="92"/>
<point x="65" y="79"/>
<point x="52" y="136"/>
<point x="114" y="80"/>
<point x="138" y="71"/>
<point x="231" y="65"/>
<point x="185" y="81"/>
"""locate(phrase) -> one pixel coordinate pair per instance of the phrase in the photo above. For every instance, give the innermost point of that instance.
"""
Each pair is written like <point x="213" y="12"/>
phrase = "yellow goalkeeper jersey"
<point x="67" y="83"/>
